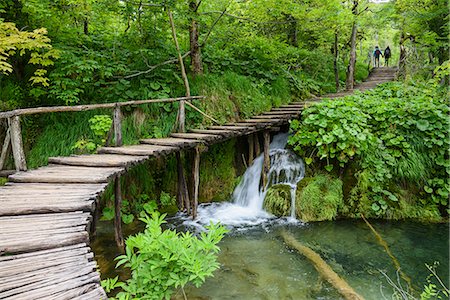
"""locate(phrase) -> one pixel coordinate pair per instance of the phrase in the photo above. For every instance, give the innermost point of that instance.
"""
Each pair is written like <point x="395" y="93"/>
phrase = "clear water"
<point x="256" y="264"/>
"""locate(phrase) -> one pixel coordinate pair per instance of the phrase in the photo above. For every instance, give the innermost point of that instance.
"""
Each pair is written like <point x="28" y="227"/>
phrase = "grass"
<point x="319" y="199"/>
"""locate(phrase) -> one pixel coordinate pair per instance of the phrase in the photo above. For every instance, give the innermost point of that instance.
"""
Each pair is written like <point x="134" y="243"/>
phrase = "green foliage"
<point x="36" y="44"/>
<point x="319" y="198"/>
<point x="278" y="200"/>
<point x="435" y="288"/>
<point x="396" y="135"/>
<point x="163" y="260"/>
<point x="100" y="126"/>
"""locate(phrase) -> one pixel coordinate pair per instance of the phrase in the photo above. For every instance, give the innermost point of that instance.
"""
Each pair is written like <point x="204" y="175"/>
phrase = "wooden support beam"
<point x="196" y="181"/>
<point x="117" y="123"/>
<point x="17" y="144"/>
<point x="182" y="191"/>
<point x="251" y="148"/>
<point x="257" y="146"/>
<point x="5" y="149"/>
<point x="117" y="213"/>
<point x="266" y="166"/>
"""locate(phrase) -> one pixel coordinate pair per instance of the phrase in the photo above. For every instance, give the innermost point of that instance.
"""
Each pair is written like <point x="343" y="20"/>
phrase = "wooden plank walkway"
<point x="45" y="214"/>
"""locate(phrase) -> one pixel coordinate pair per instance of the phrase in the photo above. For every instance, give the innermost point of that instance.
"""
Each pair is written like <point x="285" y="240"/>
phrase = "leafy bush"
<point x="163" y="260"/>
<point x="396" y="136"/>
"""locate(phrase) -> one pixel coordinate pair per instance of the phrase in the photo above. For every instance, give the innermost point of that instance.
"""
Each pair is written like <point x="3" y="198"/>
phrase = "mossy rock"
<point x="318" y="198"/>
<point x="278" y="200"/>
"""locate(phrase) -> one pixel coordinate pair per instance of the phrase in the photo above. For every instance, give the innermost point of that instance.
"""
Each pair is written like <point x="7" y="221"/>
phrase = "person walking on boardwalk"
<point x="376" y="55"/>
<point x="387" y="55"/>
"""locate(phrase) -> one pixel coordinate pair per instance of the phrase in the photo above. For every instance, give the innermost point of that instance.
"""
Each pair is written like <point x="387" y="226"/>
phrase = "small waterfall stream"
<point x="248" y="197"/>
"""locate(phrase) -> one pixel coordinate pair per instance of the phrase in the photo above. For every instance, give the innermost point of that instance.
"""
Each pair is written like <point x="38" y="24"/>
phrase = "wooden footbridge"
<point x="46" y="214"/>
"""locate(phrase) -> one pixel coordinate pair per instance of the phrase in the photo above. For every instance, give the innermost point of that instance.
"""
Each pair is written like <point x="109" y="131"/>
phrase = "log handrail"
<point x="51" y="109"/>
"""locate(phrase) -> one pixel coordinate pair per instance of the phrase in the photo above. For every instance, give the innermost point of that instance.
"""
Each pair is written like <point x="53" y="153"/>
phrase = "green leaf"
<point x="423" y="125"/>
<point x="428" y="189"/>
<point x="308" y="160"/>
<point x="329" y="168"/>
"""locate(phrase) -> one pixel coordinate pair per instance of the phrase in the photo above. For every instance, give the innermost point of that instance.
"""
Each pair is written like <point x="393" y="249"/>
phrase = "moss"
<point x="217" y="172"/>
<point x="319" y="198"/>
<point x="278" y="200"/>
<point x="3" y="181"/>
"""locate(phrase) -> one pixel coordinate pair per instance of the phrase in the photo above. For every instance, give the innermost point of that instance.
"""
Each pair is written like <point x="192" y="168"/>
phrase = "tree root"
<point x="383" y="243"/>
<point x="323" y="268"/>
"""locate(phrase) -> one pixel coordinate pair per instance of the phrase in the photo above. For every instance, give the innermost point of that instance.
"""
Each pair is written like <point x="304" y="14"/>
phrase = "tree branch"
<point x="245" y="19"/>
<point x="151" y="68"/>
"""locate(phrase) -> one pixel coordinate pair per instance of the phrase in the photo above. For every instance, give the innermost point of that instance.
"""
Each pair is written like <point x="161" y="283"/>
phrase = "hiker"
<point x="376" y="55"/>
<point x="387" y="55"/>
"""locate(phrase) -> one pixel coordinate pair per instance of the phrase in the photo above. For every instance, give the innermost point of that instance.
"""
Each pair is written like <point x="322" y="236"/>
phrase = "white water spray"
<point x="248" y="197"/>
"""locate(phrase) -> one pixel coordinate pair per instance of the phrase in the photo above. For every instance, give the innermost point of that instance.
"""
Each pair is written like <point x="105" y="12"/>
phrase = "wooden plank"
<point x="197" y="136"/>
<point x="174" y="142"/>
<point x="66" y="174"/>
<point x="40" y="243"/>
<point x="40" y="208"/>
<point x="288" y="109"/>
<point x="224" y="133"/>
<point x="139" y="150"/>
<point x="98" y="160"/>
<point x="275" y="116"/>
<point x="287" y="113"/>
<point x="234" y="128"/>
<point x="63" y="188"/>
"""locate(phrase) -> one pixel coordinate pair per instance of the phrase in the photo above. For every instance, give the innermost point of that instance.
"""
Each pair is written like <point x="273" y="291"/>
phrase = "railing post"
<point x="181" y="117"/>
<point x="17" y="144"/>
<point x="5" y="148"/>
<point x="117" y="124"/>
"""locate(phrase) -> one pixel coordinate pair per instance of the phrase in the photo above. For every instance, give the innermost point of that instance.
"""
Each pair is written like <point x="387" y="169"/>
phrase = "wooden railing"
<point x="13" y="137"/>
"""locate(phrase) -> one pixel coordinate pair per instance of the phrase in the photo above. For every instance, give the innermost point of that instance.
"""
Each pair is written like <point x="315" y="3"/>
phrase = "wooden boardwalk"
<point x="46" y="214"/>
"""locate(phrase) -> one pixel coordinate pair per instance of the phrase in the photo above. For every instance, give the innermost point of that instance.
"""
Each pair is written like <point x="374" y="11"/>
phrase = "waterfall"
<point x="248" y="197"/>
<point x="285" y="168"/>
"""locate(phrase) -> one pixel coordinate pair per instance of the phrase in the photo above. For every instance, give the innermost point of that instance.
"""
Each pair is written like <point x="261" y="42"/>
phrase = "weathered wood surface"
<point x="61" y="273"/>
<point x="139" y="150"/>
<point x="98" y="160"/>
<point x="174" y="142"/>
<point x="66" y="174"/>
<point x="197" y="136"/>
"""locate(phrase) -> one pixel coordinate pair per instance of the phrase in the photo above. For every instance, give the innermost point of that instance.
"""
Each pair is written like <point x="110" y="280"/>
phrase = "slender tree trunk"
<point x="402" y="59"/>
<point x="335" y="62"/>
<point x="196" y="57"/>
<point x="86" y="27"/>
<point x="181" y="112"/>
<point x="349" y="82"/>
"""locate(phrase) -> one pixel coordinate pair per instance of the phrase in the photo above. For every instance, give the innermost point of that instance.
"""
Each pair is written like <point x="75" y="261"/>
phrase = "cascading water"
<point x="248" y="197"/>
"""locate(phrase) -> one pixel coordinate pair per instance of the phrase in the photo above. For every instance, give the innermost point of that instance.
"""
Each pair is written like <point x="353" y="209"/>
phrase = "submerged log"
<point x="323" y="268"/>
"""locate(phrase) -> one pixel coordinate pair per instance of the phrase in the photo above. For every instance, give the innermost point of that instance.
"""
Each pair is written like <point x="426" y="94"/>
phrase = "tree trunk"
<point x="350" y="80"/>
<point x="335" y="62"/>
<point x="196" y="58"/>
<point x="402" y="59"/>
<point x="181" y="111"/>
<point x="349" y="83"/>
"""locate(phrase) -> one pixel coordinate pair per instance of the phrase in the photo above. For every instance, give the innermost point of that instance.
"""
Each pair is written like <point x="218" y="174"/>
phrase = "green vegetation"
<point x="392" y="143"/>
<point x="319" y="199"/>
<point x="164" y="260"/>
<point x="278" y="200"/>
